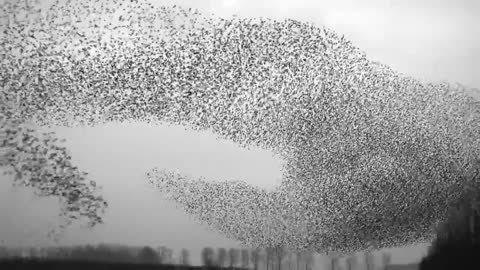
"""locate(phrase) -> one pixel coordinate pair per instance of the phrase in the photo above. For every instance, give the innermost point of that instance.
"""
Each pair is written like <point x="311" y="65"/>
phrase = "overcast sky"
<point x="432" y="40"/>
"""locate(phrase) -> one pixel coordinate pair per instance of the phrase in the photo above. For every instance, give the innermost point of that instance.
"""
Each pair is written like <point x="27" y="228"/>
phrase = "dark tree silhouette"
<point x="184" y="257"/>
<point x="255" y="256"/>
<point x="369" y="260"/>
<point x="222" y="256"/>
<point x="148" y="255"/>
<point x="457" y="242"/>
<point x="3" y="252"/>
<point x="269" y="257"/>
<point x="208" y="256"/>
<point x="245" y="258"/>
<point x="351" y="262"/>
<point x="234" y="255"/>
<point x="104" y="252"/>
<point x="309" y="259"/>
<point x="298" y="258"/>
<point x="333" y="262"/>
<point x="280" y="254"/>
<point x="165" y="255"/>
<point x="89" y="252"/>
<point x="291" y="260"/>
<point x="386" y="259"/>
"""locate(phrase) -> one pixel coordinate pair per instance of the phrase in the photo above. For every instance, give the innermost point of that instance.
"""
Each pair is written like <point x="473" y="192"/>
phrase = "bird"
<point x="366" y="159"/>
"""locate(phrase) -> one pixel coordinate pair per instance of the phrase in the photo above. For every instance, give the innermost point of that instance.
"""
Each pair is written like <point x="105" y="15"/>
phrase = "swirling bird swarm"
<point x="370" y="155"/>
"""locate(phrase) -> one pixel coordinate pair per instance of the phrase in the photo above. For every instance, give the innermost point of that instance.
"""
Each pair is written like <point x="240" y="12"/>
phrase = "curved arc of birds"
<point x="370" y="154"/>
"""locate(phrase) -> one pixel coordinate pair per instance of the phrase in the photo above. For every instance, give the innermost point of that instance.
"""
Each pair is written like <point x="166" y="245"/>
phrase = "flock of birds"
<point x="373" y="158"/>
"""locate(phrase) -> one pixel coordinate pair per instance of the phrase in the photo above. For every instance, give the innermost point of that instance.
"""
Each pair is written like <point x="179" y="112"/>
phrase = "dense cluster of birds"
<point x="372" y="157"/>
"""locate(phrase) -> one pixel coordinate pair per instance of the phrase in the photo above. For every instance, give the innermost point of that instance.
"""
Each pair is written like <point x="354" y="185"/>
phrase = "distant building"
<point x="402" y="267"/>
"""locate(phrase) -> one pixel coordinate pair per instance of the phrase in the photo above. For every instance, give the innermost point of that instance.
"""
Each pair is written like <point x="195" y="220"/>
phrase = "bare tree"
<point x="222" y="257"/>
<point x="298" y="258"/>
<point x="255" y="257"/>
<point x="333" y="262"/>
<point x="245" y="255"/>
<point x="208" y="256"/>
<point x="184" y="257"/>
<point x="309" y="259"/>
<point x="165" y="254"/>
<point x="234" y="255"/>
<point x="291" y="260"/>
<point x="386" y="258"/>
<point x="160" y="251"/>
<point x="351" y="262"/>
<point x="369" y="260"/>
<point x="148" y="255"/>
<point x="3" y="252"/>
<point x="280" y="254"/>
<point x="268" y="257"/>
<point x="168" y="256"/>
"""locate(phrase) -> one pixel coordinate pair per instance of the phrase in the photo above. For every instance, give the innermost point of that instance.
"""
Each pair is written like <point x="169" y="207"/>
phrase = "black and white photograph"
<point x="240" y="134"/>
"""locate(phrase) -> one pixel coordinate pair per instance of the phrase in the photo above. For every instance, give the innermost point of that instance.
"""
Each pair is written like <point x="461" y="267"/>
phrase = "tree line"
<point x="279" y="258"/>
<point x="269" y="258"/>
<point x="101" y="252"/>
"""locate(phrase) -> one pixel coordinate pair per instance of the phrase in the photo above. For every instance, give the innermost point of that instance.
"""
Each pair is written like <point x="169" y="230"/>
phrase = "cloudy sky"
<point x="430" y="40"/>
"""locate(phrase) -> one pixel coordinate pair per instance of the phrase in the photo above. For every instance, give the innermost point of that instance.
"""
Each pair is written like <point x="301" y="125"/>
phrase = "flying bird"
<point x="370" y="154"/>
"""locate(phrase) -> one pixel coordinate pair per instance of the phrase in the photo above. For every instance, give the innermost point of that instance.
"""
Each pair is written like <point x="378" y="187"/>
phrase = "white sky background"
<point x="432" y="40"/>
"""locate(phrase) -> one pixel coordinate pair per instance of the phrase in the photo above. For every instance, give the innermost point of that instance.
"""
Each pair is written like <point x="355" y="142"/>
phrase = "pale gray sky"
<point x="117" y="156"/>
<point x="433" y="40"/>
